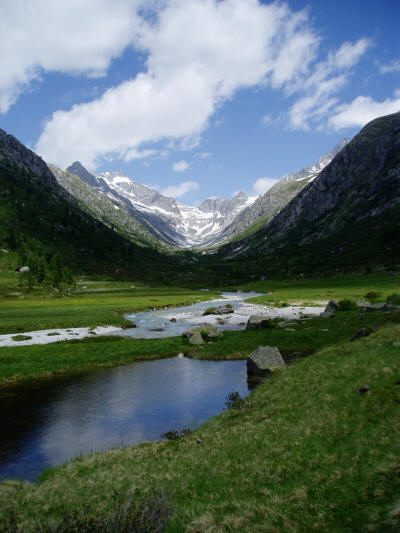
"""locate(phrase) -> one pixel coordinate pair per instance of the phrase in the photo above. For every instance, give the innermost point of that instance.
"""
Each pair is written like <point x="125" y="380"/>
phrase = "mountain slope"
<point x="348" y="215"/>
<point x="276" y="198"/>
<point x="111" y="211"/>
<point x="36" y="210"/>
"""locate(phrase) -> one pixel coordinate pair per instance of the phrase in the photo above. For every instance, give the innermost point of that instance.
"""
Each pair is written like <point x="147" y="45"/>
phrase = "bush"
<point x="235" y="401"/>
<point x="372" y="295"/>
<point x="175" y="435"/>
<point x="347" y="305"/>
<point x="393" y="299"/>
<point x="127" y="516"/>
<point x="209" y="311"/>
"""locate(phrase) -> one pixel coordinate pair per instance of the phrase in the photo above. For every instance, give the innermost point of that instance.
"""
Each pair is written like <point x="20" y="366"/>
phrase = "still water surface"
<point x="50" y="422"/>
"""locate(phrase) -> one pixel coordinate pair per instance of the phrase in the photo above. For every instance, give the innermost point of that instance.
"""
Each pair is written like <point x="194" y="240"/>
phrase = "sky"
<point x="196" y="98"/>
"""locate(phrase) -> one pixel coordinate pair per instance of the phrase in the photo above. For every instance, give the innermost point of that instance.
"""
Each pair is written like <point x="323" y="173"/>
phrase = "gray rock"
<point x="396" y="344"/>
<point x="382" y="306"/>
<point x="287" y="324"/>
<point x="332" y="307"/>
<point x="328" y="314"/>
<point x="205" y="329"/>
<point x="258" y="322"/>
<point x="221" y="310"/>
<point x="196" y="338"/>
<point x="263" y="360"/>
<point x="24" y="269"/>
<point x="362" y="332"/>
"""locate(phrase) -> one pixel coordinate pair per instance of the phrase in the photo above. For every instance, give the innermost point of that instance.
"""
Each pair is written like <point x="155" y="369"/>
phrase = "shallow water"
<point x="186" y="317"/>
<point x="49" y="422"/>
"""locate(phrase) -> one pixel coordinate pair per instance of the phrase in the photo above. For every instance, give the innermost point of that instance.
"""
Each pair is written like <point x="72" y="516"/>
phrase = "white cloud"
<point x="263" y="184"/>
<point x="176" y="191"/>
<point x="392" y="67"/>
<point x="363" y="109"/>
<point x="320" y="88"/>
<point x="74" y="37"/>
<point x="199" y="53"/>
<point x="180" y="166"/>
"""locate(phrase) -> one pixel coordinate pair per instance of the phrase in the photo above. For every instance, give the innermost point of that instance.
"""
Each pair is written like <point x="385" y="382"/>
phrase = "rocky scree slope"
<point x="356" y="198"/>
<point x="276" y="198"/>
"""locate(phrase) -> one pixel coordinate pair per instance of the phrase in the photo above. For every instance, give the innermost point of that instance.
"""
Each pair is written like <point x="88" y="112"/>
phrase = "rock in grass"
<point x="202" y="331"/>
<point x="362" y="332"/>
<point x="287" y="324"/>
<point x="263" y="360"/>
<point x="330" y="309"/>
<point x="196" y="338"/>
<point x="259" y="322"/>
<point x="380" y="307"/>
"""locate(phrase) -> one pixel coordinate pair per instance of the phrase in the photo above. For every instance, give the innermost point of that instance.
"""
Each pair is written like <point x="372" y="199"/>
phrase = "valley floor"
<point x="316" y="448"/>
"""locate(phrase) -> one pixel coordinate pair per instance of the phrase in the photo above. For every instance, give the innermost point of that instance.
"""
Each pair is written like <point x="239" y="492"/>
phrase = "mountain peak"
<point x="79" y="170"/>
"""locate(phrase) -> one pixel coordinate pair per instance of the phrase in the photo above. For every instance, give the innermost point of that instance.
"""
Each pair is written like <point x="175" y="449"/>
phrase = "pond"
<point x="49" y="422"/>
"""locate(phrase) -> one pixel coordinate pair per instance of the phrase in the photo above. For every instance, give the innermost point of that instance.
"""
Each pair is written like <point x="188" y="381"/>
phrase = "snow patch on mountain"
<point x="190" y="225"/>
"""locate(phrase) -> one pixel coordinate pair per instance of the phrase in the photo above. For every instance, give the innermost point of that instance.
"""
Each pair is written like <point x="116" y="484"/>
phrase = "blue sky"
<point x="198" y="98"/>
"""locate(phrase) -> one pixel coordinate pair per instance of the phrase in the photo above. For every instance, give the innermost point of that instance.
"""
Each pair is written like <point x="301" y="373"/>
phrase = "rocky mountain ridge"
<point x="351" y="210"/>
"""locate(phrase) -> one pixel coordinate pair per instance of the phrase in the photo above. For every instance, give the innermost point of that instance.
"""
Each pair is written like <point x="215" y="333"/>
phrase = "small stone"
<point x="364" y="390"/>
<point x="362" y="332"/>
<point x="287" y="324"/>
<point x="173" y="320"/>
<point x="396" y="344"/>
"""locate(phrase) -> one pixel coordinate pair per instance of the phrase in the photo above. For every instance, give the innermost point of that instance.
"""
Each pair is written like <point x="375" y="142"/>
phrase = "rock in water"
<point x="263" y="360"/>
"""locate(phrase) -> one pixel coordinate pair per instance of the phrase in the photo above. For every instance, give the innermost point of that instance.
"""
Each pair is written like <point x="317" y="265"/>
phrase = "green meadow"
<point x="315" y="447"/>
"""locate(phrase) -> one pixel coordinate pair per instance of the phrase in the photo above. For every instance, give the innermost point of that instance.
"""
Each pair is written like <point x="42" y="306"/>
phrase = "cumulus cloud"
<point x="74" y="37"/>
<point x="199" y="53"/>
<point x="180" y="166"/>
<point x="321" y="87"/>
<point x="176" y="191"/>
<point x="363" y="109"/>
<point x="263" y="184"/>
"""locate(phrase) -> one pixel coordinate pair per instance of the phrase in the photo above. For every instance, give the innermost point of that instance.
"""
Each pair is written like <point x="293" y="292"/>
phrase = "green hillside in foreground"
<point x="316" y="448"/>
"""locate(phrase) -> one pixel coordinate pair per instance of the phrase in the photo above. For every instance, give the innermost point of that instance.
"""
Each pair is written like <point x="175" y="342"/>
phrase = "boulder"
<point x="362" y="332"/>
<point x="221" y="310"/>
<point x="263" y="360"/>
<point x="208" y="330"/>
<point x="380" y="307"/>
<point x="287" y="324"/>
<point x="259" y="322"/>
<point x="327" y="314"/>
<point x="173" y="320"/>
<point x="196" y="338"/>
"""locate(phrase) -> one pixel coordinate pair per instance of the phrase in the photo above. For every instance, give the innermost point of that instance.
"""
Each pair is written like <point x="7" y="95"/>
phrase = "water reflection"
<point x="48" y="423"/>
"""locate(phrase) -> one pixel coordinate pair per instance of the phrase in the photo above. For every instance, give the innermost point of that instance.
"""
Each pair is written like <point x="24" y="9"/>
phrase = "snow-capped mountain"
<point x="191" y="226"/>
<point x="170" y="220"/>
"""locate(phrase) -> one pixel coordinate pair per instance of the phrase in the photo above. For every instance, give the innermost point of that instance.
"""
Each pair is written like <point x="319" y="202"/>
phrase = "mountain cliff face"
<point x="353" y="205"/>
<point x="276" y="198"/>
<point x="165" y="218"/>
<point x="36" y="211"/>
<point x="108" y="209"/>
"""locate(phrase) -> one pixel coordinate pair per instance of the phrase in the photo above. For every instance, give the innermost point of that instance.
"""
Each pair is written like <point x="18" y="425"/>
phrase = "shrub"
<point x="209" y="311"/>
<point x="233" y="400"/>
<point x="175" y="435"/>
<point x="372" y="295"/>
<point x="393" y="299"/>
<point x="347" y="305"/>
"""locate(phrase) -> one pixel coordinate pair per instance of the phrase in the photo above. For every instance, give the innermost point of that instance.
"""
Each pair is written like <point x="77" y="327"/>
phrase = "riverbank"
<point x="21" y="363"/>
<point x="317" y="449"/>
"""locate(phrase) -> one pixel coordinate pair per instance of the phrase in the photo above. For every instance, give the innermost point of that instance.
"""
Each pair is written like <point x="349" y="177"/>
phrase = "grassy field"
<point x="317" y="449"/>
<point x="25" y="362"/>
<point x="353" y="287"/>
<point x="99" y="303"/>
